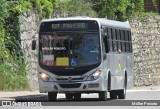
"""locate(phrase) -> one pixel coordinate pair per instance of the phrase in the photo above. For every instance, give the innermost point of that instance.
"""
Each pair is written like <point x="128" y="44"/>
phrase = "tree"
<point x="117" y="9"/>
<point x="77" y="8"/>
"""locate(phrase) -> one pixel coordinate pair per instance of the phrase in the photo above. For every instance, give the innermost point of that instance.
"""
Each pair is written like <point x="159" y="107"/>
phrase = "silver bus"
<point x="84" y="55"/>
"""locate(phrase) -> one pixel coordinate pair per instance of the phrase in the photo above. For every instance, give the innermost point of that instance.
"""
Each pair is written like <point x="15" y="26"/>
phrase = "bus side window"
<point x="118" y="41"/>
<point x="130" y="42"/>
<point x="123" y="41"/>
<point x="105" y="41"/>
<point x="114" y="48"/>
<point x="127" y="41"/>
<point x="110" y="39"/>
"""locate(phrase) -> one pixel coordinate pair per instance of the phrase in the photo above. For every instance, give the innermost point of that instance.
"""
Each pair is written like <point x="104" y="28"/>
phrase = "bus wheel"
<point x="52" y="96"/>
<point x="69" y="96"/>
<point x="77" y="96"/>
<point x="103" y="95"/>
<point x="113" y="94"/>
<point x="122" y="93"/>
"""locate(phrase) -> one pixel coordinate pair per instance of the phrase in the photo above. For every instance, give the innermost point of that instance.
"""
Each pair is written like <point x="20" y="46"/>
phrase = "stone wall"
<point x="146" y="48"/>
<point x="29" y="24"/>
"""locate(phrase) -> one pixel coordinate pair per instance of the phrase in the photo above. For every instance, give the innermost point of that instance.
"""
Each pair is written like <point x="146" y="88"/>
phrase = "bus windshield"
<point x="69" y="49"/>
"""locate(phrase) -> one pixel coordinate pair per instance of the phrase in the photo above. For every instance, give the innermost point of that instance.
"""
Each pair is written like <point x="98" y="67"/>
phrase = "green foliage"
<point x="12" y="68"/>
<point x="76" y="8"/>
<point x="117" y="9"/>
<point x="155" y="5"/>
<point x="20" y="6"/>
<point x="3" y="11"/>
<point x="13" y="74"/>
<point x="144" y="16"/>
<point x="45" y="7"/>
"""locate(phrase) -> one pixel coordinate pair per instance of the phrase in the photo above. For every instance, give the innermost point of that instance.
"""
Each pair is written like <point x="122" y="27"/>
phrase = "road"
<point x="134" y="97"/>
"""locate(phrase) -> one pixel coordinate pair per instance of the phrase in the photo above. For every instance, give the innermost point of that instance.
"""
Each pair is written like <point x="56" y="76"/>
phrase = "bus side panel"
<point x="130" y="71"/>
<point x="118" y="64"/>
<point x="110" y="66"/>
<point x="119" y="71"/>
<point x="116" y="69"/>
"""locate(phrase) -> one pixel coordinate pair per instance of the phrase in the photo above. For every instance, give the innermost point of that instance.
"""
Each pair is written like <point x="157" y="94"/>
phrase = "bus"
<point x="84" y="55"/>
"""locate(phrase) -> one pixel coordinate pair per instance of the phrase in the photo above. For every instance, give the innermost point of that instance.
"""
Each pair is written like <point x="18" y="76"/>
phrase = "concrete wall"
<point x="29" y="23"/>
<point x="146" y="47"/>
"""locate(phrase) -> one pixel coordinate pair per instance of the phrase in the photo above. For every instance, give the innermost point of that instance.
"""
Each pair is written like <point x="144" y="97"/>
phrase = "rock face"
<point x="29" y="24"/>
<point x="146" y="48"/>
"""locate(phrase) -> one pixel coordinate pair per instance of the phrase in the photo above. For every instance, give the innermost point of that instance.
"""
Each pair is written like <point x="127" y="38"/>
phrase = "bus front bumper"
<point x="71" y="87"/>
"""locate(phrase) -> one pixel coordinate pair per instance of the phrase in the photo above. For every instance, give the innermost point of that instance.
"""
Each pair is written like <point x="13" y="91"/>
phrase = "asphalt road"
<point x="134" y="97"/>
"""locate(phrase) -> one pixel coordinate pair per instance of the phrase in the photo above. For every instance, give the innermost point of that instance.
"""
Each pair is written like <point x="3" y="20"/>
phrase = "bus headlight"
<point x="45" y="77"/>
<point x="95" y="75"/>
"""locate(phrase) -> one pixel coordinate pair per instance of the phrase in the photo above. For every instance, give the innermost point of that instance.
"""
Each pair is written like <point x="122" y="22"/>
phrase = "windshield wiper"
<point x="57" y="38"/>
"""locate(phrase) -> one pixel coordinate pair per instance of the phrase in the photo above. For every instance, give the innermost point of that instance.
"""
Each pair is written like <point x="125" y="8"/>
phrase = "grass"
<point x="13" y="76"/>
<point x="13" y="68"/>
<point x="144" y="15"/>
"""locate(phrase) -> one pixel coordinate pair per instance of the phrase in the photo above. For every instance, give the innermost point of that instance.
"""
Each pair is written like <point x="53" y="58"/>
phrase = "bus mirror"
<point x="33" y="44"/>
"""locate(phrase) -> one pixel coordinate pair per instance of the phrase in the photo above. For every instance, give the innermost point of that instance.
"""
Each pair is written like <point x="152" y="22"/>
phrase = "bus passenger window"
<point x="126" y="36"/>
<point x="106" y="45"/>
<point x="119" y="46"/>
<point x="114" y="46"/>
<point x="122" y="35"/>
<point x="110" y="45"/>
<point x="123" y="41"/>
<point x="123" y="46"/>
<point x="127" y="46"/>
<point x="113" y="34"/>
<point x="117" y="35"/>
<point x="109" y="33"/>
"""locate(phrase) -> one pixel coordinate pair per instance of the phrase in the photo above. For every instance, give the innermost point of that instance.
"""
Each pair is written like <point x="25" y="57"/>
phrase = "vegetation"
<point x="75" y="8"/>
<point x="13" y="67"/>
<point x="118" y="9"/>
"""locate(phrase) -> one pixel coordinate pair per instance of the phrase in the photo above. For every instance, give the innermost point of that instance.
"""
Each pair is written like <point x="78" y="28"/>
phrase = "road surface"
<point x="135" y="97"/>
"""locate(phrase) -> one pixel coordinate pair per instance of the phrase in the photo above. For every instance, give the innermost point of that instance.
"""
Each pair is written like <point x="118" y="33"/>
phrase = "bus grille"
<point x="77" y="85"/>
<point x="66" y="79"/>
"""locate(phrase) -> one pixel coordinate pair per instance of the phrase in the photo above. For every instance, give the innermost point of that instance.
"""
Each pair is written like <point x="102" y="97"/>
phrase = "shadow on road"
<point x="44" y="98"/>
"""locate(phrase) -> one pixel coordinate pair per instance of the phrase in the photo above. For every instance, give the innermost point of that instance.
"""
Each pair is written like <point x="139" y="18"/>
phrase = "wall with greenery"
<point x="13" y="67"/>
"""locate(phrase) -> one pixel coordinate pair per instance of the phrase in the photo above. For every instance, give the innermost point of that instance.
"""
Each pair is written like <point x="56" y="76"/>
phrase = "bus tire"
<point x="103" y="95"/>
<point x="122" y="93"/>
<point x="69" y="96"/>
<point x="113" y="94"/>
<point x="52" y="96"/>
<point x="77" y="96"/>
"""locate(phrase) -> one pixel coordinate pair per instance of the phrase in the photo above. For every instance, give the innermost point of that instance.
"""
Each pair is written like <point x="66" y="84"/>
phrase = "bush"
<point x="12" y="68"/>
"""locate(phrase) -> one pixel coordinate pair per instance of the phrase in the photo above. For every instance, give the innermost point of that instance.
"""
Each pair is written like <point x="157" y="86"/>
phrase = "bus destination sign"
<point x="69" y="26"/>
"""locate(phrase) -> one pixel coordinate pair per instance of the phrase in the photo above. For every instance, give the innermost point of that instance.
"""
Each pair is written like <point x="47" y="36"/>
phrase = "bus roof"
<point x="101" y="21"/>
